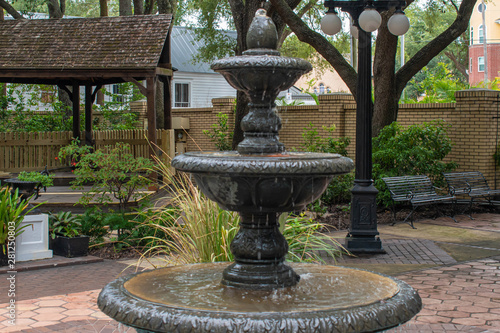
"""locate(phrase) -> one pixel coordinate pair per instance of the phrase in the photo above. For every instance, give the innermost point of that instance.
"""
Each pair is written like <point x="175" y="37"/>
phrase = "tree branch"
<point x="434" y="47"/>
<point x="320" y="44"/>
<point x="11" y="10"/>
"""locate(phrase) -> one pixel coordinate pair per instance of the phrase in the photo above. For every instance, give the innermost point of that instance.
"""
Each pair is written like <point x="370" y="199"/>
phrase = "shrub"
<point x="220" y="134"/>
<point x="313" y="142"/>
<point x="113" y="171"/>
<point x="33" y="176"/>
<point x="416" y="150"/>
<point x="339" y="189"/>
<point x="92" y="225"/>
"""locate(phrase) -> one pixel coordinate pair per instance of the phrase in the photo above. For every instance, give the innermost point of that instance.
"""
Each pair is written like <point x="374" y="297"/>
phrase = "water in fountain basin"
<point x="321" y="288"/>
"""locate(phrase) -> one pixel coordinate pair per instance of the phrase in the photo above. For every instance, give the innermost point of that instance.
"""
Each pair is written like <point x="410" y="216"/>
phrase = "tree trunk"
<point x="125" y="7"/>
<point x="385" y="109"/>
<point x="138" y="7"/>
<point x="66" y="101"/>
<point x="167" y="6"/>
<point x="103" y="5"/>
<point x="56" y="8"/>
<point x="149" y="6"/>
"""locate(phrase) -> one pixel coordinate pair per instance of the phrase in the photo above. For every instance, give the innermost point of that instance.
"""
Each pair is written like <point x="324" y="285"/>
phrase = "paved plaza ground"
<point x="455" y="267"/>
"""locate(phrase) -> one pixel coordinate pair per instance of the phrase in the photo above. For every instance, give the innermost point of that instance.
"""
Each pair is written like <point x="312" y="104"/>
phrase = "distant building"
<point x="480" y="33"/>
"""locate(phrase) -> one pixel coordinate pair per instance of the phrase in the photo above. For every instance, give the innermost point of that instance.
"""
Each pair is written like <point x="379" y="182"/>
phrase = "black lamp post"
<point x="363" y="234"/>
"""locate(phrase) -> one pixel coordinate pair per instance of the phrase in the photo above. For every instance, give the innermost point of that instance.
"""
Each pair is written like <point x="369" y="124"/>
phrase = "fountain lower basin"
<point x="327" y="299"/>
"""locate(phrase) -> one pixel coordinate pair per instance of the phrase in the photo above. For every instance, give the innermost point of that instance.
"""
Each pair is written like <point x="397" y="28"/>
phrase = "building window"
<point x="481" y="34"/>
<point x="182" y="95"/>
<point x="118" y="94"/>
<point x="321" y="88"/>
<point x="470" y="64"/>
<point x="471" y="35"/>
<point x="480" y="64"/>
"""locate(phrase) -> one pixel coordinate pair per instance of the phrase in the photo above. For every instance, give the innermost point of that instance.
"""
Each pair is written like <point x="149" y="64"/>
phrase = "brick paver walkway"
<point x="457" y="297"/>
<point x="405" y="251"/>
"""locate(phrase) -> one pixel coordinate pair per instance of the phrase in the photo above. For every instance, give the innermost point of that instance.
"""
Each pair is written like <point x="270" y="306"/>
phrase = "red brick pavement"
<point x="457" y="297"/>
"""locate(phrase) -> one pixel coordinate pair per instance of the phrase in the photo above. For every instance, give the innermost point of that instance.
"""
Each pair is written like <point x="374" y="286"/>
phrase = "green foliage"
<point x="92" y="225"/>
<point x="427" y="22"/>
<point x="220" y="134"/>
<point x="12" y="211"/>
<point x="339" y="189"/>
<point x="293" y="47"/>
<point x="307" y="243"/>
<point x="417" y="150"/>
<point x="116" y="114"/>
<point x="33" y="176"/>
<point x="64" y="224"/>
<point x="437" y="86"/>
<point x="16" y="113"/>
<point x="281" y="101"/>
<point x="113" y="170"/>
<point x="72" y="153"/>
<point x="313" y="142"/>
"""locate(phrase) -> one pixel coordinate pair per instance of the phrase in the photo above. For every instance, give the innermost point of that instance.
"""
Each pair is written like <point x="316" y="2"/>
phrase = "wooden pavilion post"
<point x="167" y="103"/>
<point x="76" y="111"/>
<point x="151" y="113"/>
<point x="89" y="140"/>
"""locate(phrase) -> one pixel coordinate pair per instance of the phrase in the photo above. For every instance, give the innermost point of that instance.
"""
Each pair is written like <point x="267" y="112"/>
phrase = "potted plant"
<point x="65" y="235"/>
<point x="29" y="183"/>
<point x="12" y="211"/>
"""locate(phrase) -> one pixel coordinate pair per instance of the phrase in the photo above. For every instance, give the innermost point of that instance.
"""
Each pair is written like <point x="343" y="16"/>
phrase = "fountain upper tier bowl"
<point x="260" y="74"/>
<point x="262" y="183"/>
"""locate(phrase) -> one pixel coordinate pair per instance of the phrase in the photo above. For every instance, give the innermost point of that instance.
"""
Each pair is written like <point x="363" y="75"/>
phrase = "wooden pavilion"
<point x="90" y="52"/>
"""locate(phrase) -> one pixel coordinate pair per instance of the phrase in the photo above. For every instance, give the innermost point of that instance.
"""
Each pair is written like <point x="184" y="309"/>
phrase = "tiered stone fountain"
<point x="259" y="292"/>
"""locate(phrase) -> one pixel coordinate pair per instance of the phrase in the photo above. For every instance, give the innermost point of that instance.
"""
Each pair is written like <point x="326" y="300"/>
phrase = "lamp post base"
<point x="359" y="245"/>
<point x="363" y="234"/>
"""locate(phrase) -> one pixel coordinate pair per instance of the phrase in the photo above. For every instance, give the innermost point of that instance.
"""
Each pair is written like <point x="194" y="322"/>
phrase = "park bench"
<point x="416" y="191"/>
<point x="470" y="183"/>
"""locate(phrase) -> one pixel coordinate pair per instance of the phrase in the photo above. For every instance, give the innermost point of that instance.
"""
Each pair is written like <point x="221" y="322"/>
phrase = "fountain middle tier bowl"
<point x="262" y="183"/>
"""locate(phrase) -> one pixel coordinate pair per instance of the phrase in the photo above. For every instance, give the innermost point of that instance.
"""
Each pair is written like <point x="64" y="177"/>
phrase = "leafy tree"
<point x="427" y="22"/>
<point x="388" y="83"/>
<point x="437" y="86"/>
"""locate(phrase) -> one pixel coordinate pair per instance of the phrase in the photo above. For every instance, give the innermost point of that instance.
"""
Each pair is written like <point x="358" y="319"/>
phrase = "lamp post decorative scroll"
<point x="363" y="234"/>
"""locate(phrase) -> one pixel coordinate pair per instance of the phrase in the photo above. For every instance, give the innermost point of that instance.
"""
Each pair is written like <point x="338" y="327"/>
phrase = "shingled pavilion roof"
<point x="98" y="50"/>
<point x="90" y="52"/>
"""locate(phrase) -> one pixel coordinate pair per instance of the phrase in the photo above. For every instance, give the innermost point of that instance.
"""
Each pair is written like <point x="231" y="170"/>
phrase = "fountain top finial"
<point x="262" y="37"/>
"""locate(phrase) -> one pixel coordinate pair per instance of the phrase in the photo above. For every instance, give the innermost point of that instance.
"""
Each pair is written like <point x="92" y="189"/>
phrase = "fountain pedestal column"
<point x="259" y="249"/>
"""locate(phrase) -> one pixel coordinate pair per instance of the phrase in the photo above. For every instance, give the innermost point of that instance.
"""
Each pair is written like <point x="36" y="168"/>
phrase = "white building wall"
<point x="204" y="87"/>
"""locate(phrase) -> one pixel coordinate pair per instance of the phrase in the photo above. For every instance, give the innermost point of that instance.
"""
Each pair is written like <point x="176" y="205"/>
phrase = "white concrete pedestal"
<point x="33" y="243"/>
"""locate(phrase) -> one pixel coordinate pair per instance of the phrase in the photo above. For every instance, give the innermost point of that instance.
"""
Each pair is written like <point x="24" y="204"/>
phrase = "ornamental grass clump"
<point x="197" y="230"/>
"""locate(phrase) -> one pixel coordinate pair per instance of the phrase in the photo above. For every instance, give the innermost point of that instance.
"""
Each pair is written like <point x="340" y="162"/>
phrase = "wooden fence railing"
<point x="20" y="151"/>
